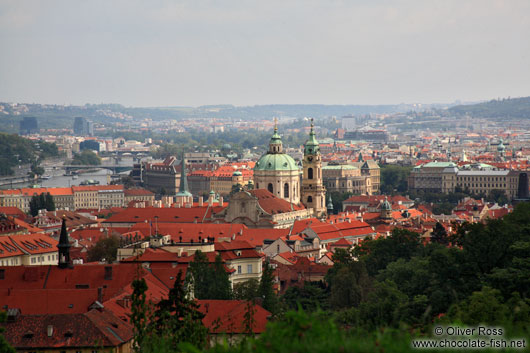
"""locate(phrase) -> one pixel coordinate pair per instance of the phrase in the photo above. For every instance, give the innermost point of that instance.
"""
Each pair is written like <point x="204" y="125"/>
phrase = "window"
<point x="310" y="173"/>
<point x="309" y="199"/>
<point x="269" y="187"/>
<point x="239" y="269"/>
<point x="249" y="268"/>
<point x="286" y="190"/>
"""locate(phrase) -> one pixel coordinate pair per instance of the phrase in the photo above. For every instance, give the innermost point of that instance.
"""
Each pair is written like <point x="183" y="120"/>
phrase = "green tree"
<point x="383" y="306"/>
<point x="220" y="287"/>
<point x="394" y="178"/>
<point x="139" y="313"/>
<point x="86" y="157"/>
<point x="5" y="347"/>
<point x="209" y="281"/>
<point x="105" y="249"/>
<point x="175" y="320"/>
<point x="247" y="290"/>
<point x="482" y="307"/>
<point x="348" y="280"/>
<point x="266" y="288"/>
<point x="310" y="297"/>
<point x="377" y="254"/>
<point x="40" y="202"/>
<point x="439" y="234"/>
<point x="36" y="170"/>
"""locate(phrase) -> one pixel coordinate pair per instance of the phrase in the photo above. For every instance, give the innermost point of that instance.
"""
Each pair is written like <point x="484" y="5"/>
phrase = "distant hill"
<point x="58" y="116"/>
<point x="497" y="108"/>
<point x="16" y="150"/>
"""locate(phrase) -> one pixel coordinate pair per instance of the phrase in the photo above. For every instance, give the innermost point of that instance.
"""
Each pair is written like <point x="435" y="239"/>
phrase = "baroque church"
<point x="277" y="172"/>
<point x="283" y="192"/>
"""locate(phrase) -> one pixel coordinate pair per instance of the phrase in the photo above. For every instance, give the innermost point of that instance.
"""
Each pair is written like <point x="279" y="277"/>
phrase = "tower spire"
<point x="183" y="197"/>
<point x="183" y="187"/>
<point x="64" y="247"/>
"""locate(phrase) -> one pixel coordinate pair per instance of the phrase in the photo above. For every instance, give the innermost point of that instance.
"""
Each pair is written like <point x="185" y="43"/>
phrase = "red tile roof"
<point x="137" y="192"/>
<point x="228" y="316"/>
<point x="272" y="204"/>
<point x="165" y="215"/>
<point x="67" y="331"/>
<point x="13" y="211"/>
<point x="35" y="243"/>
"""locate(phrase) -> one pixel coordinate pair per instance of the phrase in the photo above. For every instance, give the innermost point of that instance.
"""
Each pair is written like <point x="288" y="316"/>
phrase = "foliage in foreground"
<point x="391" y="290"/>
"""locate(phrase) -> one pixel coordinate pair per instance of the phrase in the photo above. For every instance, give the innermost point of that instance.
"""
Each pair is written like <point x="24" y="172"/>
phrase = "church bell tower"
<point x="313" y="191"/>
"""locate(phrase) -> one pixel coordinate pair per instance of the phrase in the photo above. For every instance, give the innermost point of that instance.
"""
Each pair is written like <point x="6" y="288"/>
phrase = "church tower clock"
<point x="313" y="191"/>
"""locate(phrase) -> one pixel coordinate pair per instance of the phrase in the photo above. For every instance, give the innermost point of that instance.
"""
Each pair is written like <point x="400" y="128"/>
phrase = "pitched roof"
<point x="67" y="330"/>
<point x="13" y="211"/>
<point x="228" y="316"/>
<point x="36" y="243"/>
<point x="137" y="192"/>
<point x="165" y="215"/>
<point x="190" y="231"/>
<point x="272" y="204"/>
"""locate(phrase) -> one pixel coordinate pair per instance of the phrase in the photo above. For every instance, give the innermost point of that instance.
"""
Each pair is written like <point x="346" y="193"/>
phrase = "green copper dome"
<point x="501" y="147"/>
<point x="386" y="205"/>
<point x="276" y="161"/>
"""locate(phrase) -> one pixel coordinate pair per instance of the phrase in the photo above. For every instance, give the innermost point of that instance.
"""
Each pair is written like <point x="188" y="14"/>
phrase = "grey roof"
<point x="483" y="172"/>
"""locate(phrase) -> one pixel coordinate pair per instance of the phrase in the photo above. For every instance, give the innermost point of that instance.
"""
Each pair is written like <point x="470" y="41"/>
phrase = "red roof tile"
<point x="272" y="204"/>
<point x="228" y="316"/>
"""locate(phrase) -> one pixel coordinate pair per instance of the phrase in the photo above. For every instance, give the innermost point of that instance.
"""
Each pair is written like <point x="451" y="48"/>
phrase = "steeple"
<point x="275" y="144"/>
<point x="313" y="190"/>
<point x="183" y="187"/>
<point x="64" y="247"/>
<point x="311" y="146"/>
<point x="330" y="205"/>
<point x="183" y="197"/>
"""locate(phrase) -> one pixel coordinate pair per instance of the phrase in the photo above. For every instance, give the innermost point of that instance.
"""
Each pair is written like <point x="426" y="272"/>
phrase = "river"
<point x="58" y="179"/>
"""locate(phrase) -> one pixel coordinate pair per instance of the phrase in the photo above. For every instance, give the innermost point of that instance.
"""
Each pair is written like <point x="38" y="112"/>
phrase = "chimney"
<point x="207" y="307"/>
<point x="200" y="201"/>
<point x="108" y="273"/>
<point x="220" y="201"/>
<point x="49" y="330"/>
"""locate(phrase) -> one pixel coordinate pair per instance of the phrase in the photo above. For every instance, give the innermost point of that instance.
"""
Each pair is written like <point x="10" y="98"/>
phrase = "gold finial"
<point x="312" y="124"/>
<point x="275" y="124"/>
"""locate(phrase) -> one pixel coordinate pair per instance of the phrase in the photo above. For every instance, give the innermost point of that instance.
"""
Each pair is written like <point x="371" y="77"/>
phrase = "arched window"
<point x="286" y="190"/>
<point x="310" y="173"/>
<point x="269" y="187"/>
<point x="309" y="199"/>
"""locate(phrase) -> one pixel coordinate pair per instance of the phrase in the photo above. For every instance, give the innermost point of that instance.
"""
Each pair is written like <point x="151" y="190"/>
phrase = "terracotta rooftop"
<point x="228" y="316"/>
<point x="272" y="204"/>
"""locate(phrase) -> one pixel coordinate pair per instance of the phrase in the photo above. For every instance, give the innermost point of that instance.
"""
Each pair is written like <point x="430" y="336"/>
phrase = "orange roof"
<point x="97" y="187"/>
<point x="60" y="191"/>
<point x="164" y="215"/>
<point x="272" y="204"/>
<point x="228" y="316"/>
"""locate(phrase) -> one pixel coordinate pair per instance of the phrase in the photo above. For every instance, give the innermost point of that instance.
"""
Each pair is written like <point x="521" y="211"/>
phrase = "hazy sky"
<point x="243" y="52"/>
